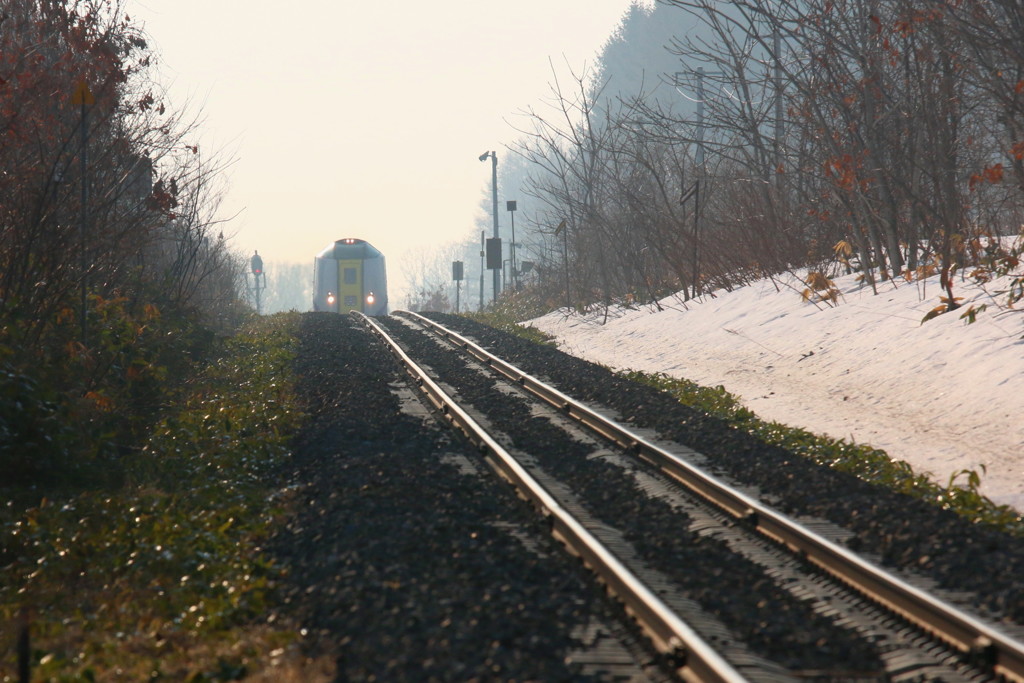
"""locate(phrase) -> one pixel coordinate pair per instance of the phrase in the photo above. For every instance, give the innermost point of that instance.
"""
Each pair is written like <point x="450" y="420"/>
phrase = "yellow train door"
<point x="350" y="285"/>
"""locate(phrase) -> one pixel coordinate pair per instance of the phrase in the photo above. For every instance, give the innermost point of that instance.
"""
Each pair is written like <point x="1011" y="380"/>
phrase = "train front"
<point x="349" y="275"/>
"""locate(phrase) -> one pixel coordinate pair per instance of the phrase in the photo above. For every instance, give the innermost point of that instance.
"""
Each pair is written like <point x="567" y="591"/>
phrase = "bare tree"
<point x="828" y="133"/>
<point x="94" y="203"/>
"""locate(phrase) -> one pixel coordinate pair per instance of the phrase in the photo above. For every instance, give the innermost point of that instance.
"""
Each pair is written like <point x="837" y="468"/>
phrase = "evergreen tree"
<point x="638" y="62"/>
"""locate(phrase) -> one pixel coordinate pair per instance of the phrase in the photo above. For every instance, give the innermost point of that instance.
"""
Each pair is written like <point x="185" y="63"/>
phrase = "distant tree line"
<point x="114" y="272"/>
<point x="760" y="136"/>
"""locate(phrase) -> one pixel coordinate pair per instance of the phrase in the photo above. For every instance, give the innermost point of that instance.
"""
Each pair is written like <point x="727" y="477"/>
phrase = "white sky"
<point x="363" y="118"/>
<point x="942" y="396"/>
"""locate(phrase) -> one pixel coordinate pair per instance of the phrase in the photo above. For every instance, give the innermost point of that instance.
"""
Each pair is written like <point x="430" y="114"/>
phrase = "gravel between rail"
<point x="400" y="566"/>
<point x="756" y="609"/>
<point x="898" y="531"/>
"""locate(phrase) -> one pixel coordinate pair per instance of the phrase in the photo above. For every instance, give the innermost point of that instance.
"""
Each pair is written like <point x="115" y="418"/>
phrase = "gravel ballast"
<point x="899" y="531"/>
<point x="405" y="565"/>
<point x="772" y="623"/>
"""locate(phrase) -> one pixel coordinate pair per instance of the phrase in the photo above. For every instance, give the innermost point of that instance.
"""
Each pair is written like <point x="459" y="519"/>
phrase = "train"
<point x="350" y="275"/>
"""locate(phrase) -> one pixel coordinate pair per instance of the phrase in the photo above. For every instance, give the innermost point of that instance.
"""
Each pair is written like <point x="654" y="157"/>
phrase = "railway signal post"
<point x="511" y="206"/>
<point x="260" y="280"/>
<point x="457" y="276"/>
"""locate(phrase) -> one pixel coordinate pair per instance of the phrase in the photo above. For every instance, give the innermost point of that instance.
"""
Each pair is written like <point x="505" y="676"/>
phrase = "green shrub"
<point x="165" y="574"/>
<point x="35" y="435"/>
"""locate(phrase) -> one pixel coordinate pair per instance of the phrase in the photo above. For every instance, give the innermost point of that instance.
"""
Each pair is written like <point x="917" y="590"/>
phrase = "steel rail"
<point x="692" y="658"/>
<point x="981" y="644"/>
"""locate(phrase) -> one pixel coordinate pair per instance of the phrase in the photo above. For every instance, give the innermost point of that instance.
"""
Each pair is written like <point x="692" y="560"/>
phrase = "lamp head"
<point x="484" y="156"/>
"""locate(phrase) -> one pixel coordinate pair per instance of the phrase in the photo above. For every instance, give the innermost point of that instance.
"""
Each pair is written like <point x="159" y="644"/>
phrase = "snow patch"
<point x="943" y="396"/>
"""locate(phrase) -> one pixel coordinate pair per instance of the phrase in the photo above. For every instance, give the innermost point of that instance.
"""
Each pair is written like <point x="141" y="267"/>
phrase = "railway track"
<point x="726" y="588"/>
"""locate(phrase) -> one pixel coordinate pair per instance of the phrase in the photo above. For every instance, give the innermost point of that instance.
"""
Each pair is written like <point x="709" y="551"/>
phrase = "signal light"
<point x="330" y="298"/>
<point x="370" y="299"/>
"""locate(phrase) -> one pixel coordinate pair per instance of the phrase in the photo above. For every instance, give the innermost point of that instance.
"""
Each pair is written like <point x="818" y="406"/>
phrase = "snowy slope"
<point x="943" y="396"/>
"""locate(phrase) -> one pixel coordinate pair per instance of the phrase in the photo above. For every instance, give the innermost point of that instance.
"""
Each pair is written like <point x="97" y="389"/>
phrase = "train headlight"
<point x="330" y="298"/>
<point x="370" y="298"/>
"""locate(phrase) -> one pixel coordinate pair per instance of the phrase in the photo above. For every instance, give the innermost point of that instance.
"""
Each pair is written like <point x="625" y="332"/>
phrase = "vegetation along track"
<point x="770" y="614"/>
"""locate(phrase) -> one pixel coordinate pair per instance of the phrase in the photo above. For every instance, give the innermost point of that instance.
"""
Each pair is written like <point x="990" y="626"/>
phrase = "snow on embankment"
<point x="943" y="396"/>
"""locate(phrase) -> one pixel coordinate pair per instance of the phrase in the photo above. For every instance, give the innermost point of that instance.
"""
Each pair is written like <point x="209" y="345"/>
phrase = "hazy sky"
<point x="363" y="118"/>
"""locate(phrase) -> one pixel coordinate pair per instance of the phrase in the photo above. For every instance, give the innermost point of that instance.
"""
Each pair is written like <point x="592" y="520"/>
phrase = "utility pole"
<point x="777" y="46"/>
<point x="702" y="170"/>
<point x="562" y="229"/>
<point x="694" y="190"/>
<point x="84" y="98"/>
<point x="700" y="118"/>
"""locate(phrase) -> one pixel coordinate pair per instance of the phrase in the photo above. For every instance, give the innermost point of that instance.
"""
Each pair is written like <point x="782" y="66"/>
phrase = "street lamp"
<point x="494" y="197"/>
